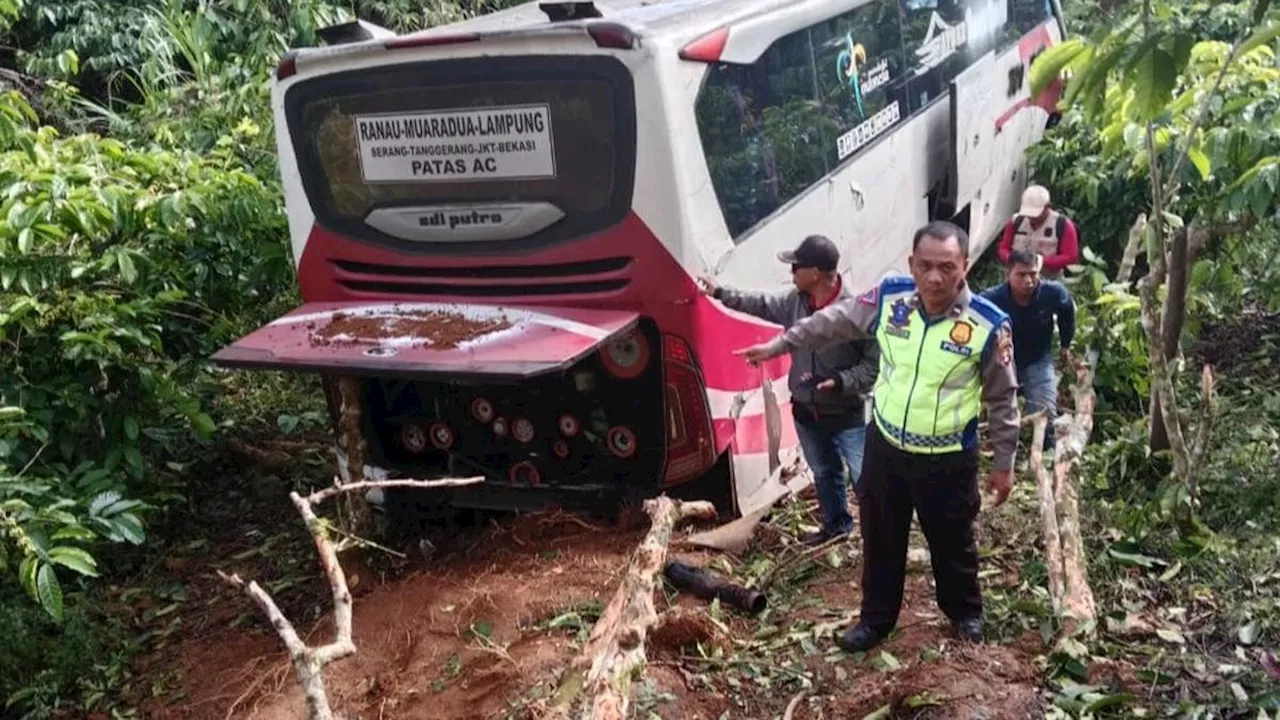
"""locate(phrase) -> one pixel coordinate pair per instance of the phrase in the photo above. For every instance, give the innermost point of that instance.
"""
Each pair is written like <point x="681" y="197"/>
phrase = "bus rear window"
<point x="489" y="130"/>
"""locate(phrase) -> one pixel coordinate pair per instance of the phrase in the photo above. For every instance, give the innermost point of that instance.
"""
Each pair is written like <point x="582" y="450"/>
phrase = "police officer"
<point x="943" y="353"/>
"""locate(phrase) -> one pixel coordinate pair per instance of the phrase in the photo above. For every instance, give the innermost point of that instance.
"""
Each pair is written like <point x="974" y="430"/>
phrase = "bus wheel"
<point x="715" y="486"/>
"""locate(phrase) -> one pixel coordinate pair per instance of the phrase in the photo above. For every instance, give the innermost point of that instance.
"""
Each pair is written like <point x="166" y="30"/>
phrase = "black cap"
<point x="816" y="252"/>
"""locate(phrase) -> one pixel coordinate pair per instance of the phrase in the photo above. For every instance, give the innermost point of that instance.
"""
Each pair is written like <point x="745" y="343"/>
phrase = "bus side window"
<point x="772" y="130"/>
<point x="1027" y="15"/>
<point x="934" y="38"/>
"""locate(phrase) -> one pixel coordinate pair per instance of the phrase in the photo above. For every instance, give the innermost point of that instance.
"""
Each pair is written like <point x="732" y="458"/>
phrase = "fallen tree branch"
<point x="308" y="662"/>
<point x="1077" y="604"/>
<point x="1048" y="515"/>
<point x="807" y="553"/>
<point x="598" y="681"/>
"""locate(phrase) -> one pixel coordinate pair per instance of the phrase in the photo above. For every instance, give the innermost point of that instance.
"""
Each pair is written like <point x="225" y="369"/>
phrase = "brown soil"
<point x="1238" y="341"/>
<point x="421" y="652"/>
<point x="440" y="330"/>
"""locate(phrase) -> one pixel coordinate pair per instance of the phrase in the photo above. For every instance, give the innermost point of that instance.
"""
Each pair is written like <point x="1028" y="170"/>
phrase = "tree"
<point x="1193" y="117"/>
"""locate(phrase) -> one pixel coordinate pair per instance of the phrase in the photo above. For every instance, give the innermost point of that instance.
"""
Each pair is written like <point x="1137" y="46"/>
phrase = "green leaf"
<point x="24" y="240"/>
<point x="203" y="425"/>
<point x="129" y="527"/>
<point x="1262" y="36"/>
<point x="127" y="269"/>
<point x="49" y="592"/>
<point x="68" y="63"/>
<point x="1152" y="80"/>
<point x="73" y="558"/>
<point x="103" y="500"/>
<point x="133" y="457"/>
<point x="1201" y="162"/>
<point x="74" y="532"/>
<point x="1182" y="45"/>
<point x="27" y="574"/>
<point x="1052" y="62"/>
<point x="887" y="662"/>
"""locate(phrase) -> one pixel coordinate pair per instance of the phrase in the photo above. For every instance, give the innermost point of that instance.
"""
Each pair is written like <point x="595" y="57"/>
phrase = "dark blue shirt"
<point x="1033" y="322"/>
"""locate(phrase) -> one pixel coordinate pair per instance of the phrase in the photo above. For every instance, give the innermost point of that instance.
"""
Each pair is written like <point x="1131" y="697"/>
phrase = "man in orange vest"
<point x="1040" y="229"/>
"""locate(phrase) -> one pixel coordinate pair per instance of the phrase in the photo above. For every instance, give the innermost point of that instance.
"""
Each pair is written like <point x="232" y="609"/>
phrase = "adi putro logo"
<point x="850" y="68"/>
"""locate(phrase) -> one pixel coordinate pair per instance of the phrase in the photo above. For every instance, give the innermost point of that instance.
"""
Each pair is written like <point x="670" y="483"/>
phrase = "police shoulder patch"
<point x="1004" y="344"/>
<point x="870" y="297"/>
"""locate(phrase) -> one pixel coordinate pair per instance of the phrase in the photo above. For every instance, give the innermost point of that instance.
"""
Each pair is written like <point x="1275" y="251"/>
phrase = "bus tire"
<point x="715" y="485"/>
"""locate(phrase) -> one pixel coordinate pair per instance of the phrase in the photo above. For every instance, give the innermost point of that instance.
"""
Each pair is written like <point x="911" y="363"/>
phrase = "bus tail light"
<point x="707" y="48"/>
<point x="690" y="445"/>
<point x="612" y="35"/>
<point x="288" y="66"/>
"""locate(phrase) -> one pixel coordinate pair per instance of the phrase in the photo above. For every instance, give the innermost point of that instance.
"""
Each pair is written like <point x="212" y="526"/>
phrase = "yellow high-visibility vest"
<point x="929" y="392"/>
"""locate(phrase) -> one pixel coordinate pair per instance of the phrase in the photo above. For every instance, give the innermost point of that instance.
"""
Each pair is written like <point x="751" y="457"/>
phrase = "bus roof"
<point x="648" y="18"/>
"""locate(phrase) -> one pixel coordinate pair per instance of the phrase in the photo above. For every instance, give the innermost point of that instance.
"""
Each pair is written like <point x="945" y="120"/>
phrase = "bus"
<point x="497" y="224"/>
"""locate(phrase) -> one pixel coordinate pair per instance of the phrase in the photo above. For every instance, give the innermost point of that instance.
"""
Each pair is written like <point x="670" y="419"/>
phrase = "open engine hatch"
<point x="423" y="340"/>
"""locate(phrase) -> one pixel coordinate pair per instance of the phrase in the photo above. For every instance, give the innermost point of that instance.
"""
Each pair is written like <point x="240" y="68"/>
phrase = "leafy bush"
<point x="121" y="270"/>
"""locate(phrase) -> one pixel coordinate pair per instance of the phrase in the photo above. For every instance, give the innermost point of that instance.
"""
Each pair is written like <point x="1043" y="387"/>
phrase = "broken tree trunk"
<point x="598" y="682"/>
<point x="308" y="662"/>
<point x="1058" y="492"/>
<point x="1074" y="430"/>
<point x="352" y="459"/>
<point x="1048" y="515"/>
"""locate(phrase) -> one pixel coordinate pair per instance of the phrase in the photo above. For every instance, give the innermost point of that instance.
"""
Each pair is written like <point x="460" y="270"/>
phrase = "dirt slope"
<point x="482" y="629"/>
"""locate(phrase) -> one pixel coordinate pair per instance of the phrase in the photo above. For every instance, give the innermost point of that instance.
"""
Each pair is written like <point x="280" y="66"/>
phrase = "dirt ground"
<point x="482" y="628"/>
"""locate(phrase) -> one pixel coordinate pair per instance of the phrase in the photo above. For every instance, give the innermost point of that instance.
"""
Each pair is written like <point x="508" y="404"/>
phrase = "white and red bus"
<point x="497" y="224"/>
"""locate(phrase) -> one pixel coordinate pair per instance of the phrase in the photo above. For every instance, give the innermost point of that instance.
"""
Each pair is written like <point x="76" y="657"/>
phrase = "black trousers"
<point x="943" y="490"/>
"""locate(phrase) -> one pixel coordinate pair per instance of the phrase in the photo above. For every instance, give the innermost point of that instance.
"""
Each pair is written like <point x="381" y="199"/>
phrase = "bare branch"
<point x="283" y="627"/>
<point x="339" y="487"/>
<point x="309" y="662"/>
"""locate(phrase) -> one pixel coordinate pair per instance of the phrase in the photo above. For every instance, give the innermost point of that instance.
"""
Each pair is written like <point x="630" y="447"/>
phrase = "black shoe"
<point x="860" y="638"/>
<point x="969" y="630"/>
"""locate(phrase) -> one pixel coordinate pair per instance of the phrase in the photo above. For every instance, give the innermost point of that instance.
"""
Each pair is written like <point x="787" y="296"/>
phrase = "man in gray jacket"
<point x="827" y="384"/>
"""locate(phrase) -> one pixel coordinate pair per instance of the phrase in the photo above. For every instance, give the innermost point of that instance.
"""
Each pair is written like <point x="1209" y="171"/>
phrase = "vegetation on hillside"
<point x="144" y="228"/>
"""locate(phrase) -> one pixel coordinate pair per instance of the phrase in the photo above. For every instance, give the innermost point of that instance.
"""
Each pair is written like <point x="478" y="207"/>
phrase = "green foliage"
<point x="1211" y="105"/>
<point x="120" y="270"/>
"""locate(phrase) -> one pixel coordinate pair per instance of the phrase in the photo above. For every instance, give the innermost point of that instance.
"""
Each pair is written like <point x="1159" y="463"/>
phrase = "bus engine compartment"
<point x="593" y="431"/>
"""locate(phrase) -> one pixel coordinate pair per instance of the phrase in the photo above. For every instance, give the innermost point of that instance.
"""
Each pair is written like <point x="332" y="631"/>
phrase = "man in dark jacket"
<point x="827" y="384"/>
<point x="1033" y="304"/>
